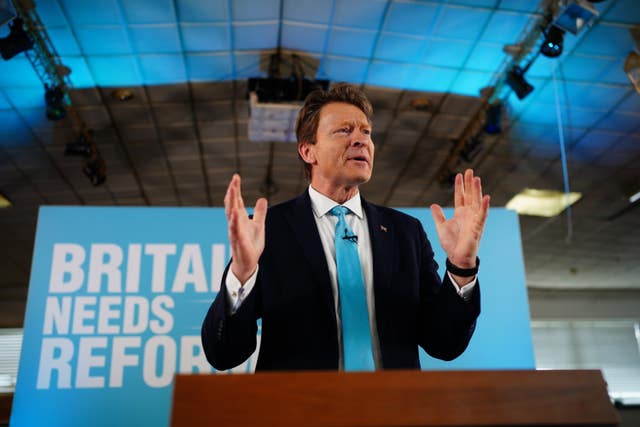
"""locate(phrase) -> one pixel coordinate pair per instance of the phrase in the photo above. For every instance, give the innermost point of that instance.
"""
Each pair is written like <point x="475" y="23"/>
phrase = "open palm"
<point x="460" y="235"/>
<point x="246" y="235"/>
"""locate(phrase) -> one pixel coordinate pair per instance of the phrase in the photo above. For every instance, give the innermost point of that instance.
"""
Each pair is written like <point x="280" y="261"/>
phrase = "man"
<point x="293" y="265"/>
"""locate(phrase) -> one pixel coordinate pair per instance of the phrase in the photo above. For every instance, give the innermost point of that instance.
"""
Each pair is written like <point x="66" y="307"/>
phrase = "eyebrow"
<point x="369" y="123"/>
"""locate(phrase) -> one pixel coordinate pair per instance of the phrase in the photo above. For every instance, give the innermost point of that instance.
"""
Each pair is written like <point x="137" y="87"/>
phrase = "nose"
<point x="361" y="138"/>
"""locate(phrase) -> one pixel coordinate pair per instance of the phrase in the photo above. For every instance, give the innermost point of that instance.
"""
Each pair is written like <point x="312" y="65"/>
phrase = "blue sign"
<point x="117" y="297"/>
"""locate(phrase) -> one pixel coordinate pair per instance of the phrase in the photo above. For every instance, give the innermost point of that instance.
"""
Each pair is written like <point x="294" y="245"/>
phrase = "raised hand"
<point x="460" y="235"/>
<point x="246" y="235"/>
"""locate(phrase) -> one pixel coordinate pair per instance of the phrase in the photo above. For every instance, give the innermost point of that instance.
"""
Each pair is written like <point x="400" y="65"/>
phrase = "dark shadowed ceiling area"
<point x="184" y="133"/>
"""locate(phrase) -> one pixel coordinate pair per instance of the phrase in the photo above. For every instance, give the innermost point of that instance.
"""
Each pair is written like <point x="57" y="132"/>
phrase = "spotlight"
<point x="632" y="68"/>
<point x="81" y="147"/>
<point x="472" y="148"/>
<point x="54" y="100"/>
<point x="574" y="15"/>
<point x="96" y="170"/>
<point x="17" y="41"/>
<point x="7" y="12"/>
<point x="516" y="81"/>
<point x="552" y="45"/>
<point x="493" y="125"/>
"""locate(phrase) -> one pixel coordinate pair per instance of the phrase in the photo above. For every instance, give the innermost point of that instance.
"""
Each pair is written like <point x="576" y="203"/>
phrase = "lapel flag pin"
<point x="383" y="228"/>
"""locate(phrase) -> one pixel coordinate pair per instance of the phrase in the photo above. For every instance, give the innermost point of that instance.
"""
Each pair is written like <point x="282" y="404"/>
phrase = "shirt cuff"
<point x="236" y="291"/>
<point x="467" y="290"/>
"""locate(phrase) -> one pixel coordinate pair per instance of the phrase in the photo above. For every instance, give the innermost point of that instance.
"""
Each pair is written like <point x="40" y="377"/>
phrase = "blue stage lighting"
<point x="516" y="81"/>
<point x="54" y="101"/>
<point x="493" y="124"/>
<point x="16" y="42"/>
<point x="552" y="45"/>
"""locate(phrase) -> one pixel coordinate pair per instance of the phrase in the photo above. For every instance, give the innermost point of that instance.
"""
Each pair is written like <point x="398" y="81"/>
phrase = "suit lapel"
<point x="382" y="234"/>
<point x="301" y="219"/>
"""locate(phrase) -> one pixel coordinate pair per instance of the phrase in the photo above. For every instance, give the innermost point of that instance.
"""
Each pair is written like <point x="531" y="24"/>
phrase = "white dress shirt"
<point x="357" y="220"/>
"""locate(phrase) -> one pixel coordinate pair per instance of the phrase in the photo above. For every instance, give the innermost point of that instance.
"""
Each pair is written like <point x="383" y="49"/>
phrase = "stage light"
<point x="516" y="81"/>
<point x="80" y="147"/>
<point x="472" y="148"/>
<point x="7" y="12"/>
<point x="545" y="203"/>
<point x="574" y="15"/>
<point x="5" y="202"/>
<point x="632" y="69"/>
<point x="96" y="170"/>
<point x="493" y="125"/>
<point x="54" y="101"/>
<point x="552" y="45"/>
<point x="16" y="42"/>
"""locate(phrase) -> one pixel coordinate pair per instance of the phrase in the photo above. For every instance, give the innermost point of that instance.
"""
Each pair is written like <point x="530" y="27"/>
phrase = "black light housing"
<point x="472" y="148"/>
<point x="493" y="124"/>
<point x="16" y="42"/>
<point x="96" y="170"/>
<point x="80" y="147"/>
<point x="553" y="41"/>
<point x="516" y="81"/>
<point x="54" y="101"/>
<point x="275" y="89"/>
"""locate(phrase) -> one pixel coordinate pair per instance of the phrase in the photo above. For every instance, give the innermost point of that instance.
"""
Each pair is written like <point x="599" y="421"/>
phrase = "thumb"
<point x="438" y="214"/>
<point x="260" y="211"/>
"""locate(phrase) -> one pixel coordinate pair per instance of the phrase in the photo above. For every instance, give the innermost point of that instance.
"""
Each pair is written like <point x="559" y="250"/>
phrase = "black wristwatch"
<point x="463" y="272"/>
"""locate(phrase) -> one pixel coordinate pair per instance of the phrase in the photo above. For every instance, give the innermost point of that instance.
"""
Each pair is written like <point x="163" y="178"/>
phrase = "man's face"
<point x="343" y="153"/>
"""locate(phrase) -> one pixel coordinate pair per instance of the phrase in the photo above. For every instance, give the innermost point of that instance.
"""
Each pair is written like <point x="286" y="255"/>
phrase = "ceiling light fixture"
<point x="96" y="169"/>
<point x="421" y="104"/>
<point x="546" y="203"/>
<point x="493" y="123"/>
<point x="80" y="147"/>
<point x="16" y="42"/>
<point x="54" y="101"/>
<point x="574" y="15"/>
<point x="7" y="12"/>
<point x="472" y="148"/>
<point x="553" y="39"/>
<point x="516" y="81"/>
<point x="632" y="68"/>
<point x="123" y="95"/>
<point x="4" y="201"/>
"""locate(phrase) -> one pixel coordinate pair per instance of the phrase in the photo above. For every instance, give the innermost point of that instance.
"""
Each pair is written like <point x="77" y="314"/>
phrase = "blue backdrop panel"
<point x="117" y="296"/>
<point x="502" y="339"/>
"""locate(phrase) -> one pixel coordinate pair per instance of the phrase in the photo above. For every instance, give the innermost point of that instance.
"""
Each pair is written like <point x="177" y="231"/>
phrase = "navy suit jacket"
<point x="294" y="298"/>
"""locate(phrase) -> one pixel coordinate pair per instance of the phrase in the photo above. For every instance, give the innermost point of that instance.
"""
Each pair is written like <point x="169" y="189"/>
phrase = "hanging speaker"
<point x="7" y="12"/>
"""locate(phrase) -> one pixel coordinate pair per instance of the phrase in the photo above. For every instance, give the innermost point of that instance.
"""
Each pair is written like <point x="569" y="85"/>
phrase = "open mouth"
<point x="359" y="159"/>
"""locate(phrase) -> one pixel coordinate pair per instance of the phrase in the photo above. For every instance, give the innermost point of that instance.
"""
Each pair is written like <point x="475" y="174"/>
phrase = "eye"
<point x="345" y="130"/>
<point x="366" y="131"/>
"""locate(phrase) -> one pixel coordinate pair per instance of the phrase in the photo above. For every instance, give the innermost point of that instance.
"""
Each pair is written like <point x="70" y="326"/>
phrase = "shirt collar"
<point x="321" y="204"/>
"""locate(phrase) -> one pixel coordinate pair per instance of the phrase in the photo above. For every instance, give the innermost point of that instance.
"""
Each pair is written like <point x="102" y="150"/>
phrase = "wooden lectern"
<point x="394" y="398"/>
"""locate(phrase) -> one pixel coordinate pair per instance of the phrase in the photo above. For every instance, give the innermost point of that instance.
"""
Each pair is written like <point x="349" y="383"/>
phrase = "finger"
<point x="227" y="198"/>
<point x="486" y="202"/>
<point x="239" y="200"/>
<point x="476" y="197"/>
<point x="233" y="230"/>
<point x="484" y="212"/>
<point x="468" y="186"/>
<point x="458" y="192"/>
<point x="260" y="211"/>
<point x="438" y="214"/>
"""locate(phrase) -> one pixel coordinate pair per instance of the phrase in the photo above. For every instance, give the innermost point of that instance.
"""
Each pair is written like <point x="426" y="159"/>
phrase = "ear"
<point x="307" y="152"/>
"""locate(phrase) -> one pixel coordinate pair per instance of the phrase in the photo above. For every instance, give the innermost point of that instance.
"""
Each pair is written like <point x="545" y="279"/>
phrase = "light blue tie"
<point x="356" y="335"/>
